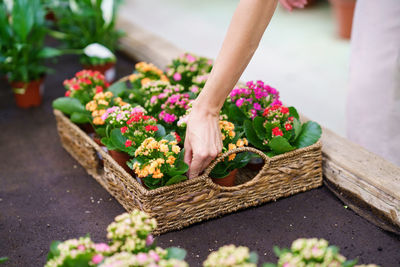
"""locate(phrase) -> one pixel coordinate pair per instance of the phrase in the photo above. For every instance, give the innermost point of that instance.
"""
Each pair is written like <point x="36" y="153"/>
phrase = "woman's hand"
<point x="290" y="4"/>
<point x="203" y="139"/>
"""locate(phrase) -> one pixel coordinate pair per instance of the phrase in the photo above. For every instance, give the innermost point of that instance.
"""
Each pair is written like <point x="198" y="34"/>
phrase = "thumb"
<point x="188" y="152"/>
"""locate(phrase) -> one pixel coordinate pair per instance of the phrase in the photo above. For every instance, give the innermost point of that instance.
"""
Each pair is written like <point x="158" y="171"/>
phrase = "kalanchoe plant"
<point x="311" y="252"/>
<point x="84" y="22"/>
<point x="230" y="140"/>
<point x="131" y="244"/>
<point x="22" y="32"/>
<point x="183" y="69"/>
<point x="159" y="163"/>
<point x="279" y="130"/>
<point x="198" y="84"/>
<point x="85" y="85"/>
<point x="157" y="93"/>
<point x="250" y="101"/>
<point x="144" y="73"/>
<point x="174" y="107"/>
<point x="231" y="256"/>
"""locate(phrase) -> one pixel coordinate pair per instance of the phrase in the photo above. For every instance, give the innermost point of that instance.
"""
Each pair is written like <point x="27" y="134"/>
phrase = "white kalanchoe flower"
<point x="107" y="8"/>
<point x="9" y="5"/>
<point x="229" y="256"/>
<point x="73" y="6"/>
<point x="98" y="50"/>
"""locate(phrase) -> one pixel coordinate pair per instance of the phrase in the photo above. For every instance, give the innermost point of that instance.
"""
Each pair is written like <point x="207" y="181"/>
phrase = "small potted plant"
<point x="22" y="51"/>
<point x="145" y="73"/>
<point x="89" y="26"/>
<point x="159" y="163"/>
<point x="224" y="173"/>
<point x="279" y="130"/>
<point x="183" y="69"/>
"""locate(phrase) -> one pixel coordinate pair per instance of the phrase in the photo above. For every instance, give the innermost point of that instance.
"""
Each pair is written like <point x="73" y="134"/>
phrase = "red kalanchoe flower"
<point x="124" y="129"/>
<point x="99" y="89"/>
<point x="149" y="128"/>
<point x="291" y="118"/>
<point x="76" y="87"/>
<point x="288" y="127"/>
<point x="265" y="113"/>
<point x="128" y="143"/>
<point x="177" y="137"/>
<point x="67" y="93"/>
<point x="277" y="132"/>
<point x="284" y="110"/>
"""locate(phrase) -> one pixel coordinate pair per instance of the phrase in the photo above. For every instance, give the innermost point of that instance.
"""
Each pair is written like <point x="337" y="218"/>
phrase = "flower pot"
<point x="50" y="16"/>
<point x="228" y="180"/>
<point x="108" y="70"/>
<point x="97" y="140"/>
<point x="255" y="164"/>
<point x="28" y="94"/>
<point x="343" y="10"/>
<point x="121" y="158"/>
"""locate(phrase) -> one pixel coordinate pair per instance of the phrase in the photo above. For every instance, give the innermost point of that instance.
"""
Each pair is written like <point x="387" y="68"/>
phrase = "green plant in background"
<point x="22" y="32"/>
<point x="85" y="22"/>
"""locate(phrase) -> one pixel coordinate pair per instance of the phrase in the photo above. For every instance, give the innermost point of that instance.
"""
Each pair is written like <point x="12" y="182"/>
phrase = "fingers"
<point x="188" y="152"/>
<point x="200" y="161"/>
<point x="286" y="4"/>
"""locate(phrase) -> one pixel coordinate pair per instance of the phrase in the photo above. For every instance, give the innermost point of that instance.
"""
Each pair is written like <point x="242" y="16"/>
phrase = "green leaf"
<point x="117" y="88"/>
<point x="236" y="115"/>
<point x="252" y="136"/>
<point x="297" y="128"/>
<point x="100" y="131"/>
<point x="68" y="105"/>
<point x="176" y="253"/>
<point x="349" y="263"/>
<point x="169" y="137"/>
<point x="176" y="179"/>
<point x="108" y="143"/>
<point x="118" y="140"/>
<point x="253" y="257"/>
<point x="258" y="125"/>
<point x="78" y="117"/>
<point x="310" y="134"/>
<point x="280" y="145"/>
<point x="54" y="251"/>
<point x="160" y="132"/>
<point x="269" y="265"/>
<point x="3" y="259"/>
<point x="49" y="52"/>
<point x="179" y="168"/>
<point x="293" y="112"/>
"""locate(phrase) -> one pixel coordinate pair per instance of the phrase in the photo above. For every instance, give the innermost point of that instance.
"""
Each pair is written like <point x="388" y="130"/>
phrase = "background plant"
<point x="22" y="32"/>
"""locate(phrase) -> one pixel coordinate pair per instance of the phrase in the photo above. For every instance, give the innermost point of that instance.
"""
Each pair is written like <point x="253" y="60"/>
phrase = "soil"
<point x="46" y="195"/>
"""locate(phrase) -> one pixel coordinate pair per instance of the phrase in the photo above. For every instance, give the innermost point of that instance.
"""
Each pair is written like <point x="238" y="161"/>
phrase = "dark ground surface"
<point x="46" y="195"/>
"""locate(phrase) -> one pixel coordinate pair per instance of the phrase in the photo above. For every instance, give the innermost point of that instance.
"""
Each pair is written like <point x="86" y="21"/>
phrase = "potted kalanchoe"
<point x="183" y="69"/>
<point x="89" y="27"/>
<point x="131" y="244"/>
<point x="312" y="252"/>
<point x="22" y="51"/>
<point x="224" y="173"/>
<point x="159" y="163"/>
<point x="231" y="256"/>
<point x="144" y="73"/>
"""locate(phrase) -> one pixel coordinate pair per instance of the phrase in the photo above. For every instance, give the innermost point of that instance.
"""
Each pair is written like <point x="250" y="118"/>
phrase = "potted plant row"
<point x="131" y="244"/>
<point x="142" y="120"/>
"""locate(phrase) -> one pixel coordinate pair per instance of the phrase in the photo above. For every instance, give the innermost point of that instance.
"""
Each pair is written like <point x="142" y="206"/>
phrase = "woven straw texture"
<point x="180" y="205"/>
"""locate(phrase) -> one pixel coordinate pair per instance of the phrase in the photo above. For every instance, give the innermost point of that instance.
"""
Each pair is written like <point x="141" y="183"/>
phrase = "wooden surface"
<point x="366" y="182"/>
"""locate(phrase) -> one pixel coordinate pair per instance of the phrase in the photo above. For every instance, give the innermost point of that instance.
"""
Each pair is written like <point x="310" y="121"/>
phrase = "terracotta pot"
<point x="108" y="70"/>
<point x="97" y="140"/>
<point x="28" y="94"/>
<point x="344" y="10"/>
<point x="50" y="16"/>
<point x="121" y="158"/>
<point x="228" y="180"/>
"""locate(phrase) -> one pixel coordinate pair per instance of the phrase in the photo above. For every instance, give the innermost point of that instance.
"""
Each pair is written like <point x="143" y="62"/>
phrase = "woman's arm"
<point x="203" y="137"/>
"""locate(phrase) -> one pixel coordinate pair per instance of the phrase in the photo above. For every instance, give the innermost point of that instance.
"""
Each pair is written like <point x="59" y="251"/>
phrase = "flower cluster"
<point x="230" y="256"/>
<point x="186" y="67"/>
<point x="175" y="106"/>
<point x="253" y="98"/>
<point x="118" y="116"/>
<point x="279" y="119"/>
<point x="229" y="141"/>
<point x="138" y="127"/>
<point x="74" y="250"/>
<point x="85" y="85"/>
<point x="198" y="83"/>
<point x="159" y="156"/>
<point x="145" y="73"/>
<point x="157" y="93"/>
<point x="131" y="232"/>
<point x="101" y="101"/>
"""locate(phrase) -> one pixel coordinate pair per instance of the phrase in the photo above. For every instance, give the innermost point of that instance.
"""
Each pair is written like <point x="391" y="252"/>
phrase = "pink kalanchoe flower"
<point x="154" y="256"/>
<point x="194" y="89"/>
<point x="257" y="106"/>
<point x="97" y="258"/>
<point x="81" y="247"/>
<point x="102" y="247"/>
<point x="239" y="102"/>
<point x="142" y="257"/>
<point x="177" y="76"/>
<point x="190" y="58"/>
<point x="149" y="240"/>
<point x="153" y="99"/>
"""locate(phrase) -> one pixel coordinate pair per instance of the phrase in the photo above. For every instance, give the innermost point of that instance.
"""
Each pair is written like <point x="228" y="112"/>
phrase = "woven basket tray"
<point x="179" y="205"/>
